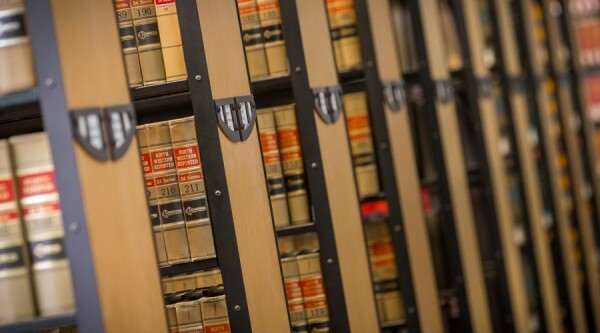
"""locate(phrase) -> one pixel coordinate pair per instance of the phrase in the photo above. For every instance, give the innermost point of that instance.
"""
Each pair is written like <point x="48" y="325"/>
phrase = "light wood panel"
<point x="407" y="176"/>
<point x="456" y="173"/>
<point x="531" y="181"/>
<point x="561" y="204"/>
<point x="246" y="183"/>
<point x="513" y="264"/>
<point x="339" y="177"/>
<point x="569" y="130"/>
<point x="113" y="193"/>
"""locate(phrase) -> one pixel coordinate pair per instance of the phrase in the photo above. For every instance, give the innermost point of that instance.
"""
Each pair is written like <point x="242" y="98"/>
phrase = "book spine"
<point x="170" y="39"/>
<point x="152" y="195"/>
<point x="214" y="313"/>
<point x="313" y="292"/>
<point x="172" y="318"/>
<point x="291" y="162"/>
<point x="293" y="294"/>
<point x="16" y="299"/>
<point x="128" y="43"/>
<point x="189" y="317"/>
<point x="270" y="21"/>
<point x="192" y="188"/>
<point x="361" y="144"/>
<point x="145" y="26"/>
<point x="450" y="34"/>
<point x="43" y="219"/>
<point x="16" y="63"/>
<point x="335" y="33"/>
<point x="272" y="162"/>
<point x="170" y="208"/>
<point x="343" y="25"/>
<point x="384" y="271"/>
<point x="254" y="42"/>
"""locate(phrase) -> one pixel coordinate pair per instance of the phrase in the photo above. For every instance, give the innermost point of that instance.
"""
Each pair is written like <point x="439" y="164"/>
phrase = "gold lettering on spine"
<point x="128" y="43"/>
<point x="361" y="144"/>
<point x="148" y="41"/>
<point x="170" y="40"/>
<point x="253" y="39"/>
<point x="41" y="212"/>
<point x="272" y="162"/>
<point x="192" y="188"/>
<point x="270" y="21"/>
<point x="291" y="161"/>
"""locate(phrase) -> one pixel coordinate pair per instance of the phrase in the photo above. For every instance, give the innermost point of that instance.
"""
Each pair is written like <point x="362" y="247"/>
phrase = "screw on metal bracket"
<point x="314" y="165"/>
<point x="383" y="146"/>
<point x="330" y="261"/>
<point x="397" y="228"/>
<point x="49" y="82"/>
<point x="237" y="308"/>
<point x="298" y="69"/>
<point x="198" y="77"/>
<point x="218" y="193"/>
<point x="74" y="227"/>
<point x="411" y="310"/>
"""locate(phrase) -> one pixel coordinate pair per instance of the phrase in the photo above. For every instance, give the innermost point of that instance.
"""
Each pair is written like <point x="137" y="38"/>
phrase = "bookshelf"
<point x="485" y="292"/>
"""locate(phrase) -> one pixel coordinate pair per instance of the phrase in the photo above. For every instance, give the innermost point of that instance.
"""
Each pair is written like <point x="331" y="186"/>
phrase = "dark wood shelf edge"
<point x="189" y="267"/>
<point x="38" y="324"/>
<point x="393" y="324"/>
<point x="296" y="229"/>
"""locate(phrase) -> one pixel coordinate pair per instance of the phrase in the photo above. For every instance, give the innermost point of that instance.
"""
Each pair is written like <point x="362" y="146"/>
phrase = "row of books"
<point x="582" y="7"/>
<point x="35" y="276"/>
<point x="262" y="35"/>
<point x="175" y="191"/>
<point x="304" y="286"/>
<point x="588" y="32"/>
<point x="592" y="90"/>
<point x="196" y="302"/>
<point x="16" y="62"/>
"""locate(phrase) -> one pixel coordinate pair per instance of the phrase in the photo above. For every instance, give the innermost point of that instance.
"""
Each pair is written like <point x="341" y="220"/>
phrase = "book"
<point x="451" y="39"/>
<point x="270" y="21"/>
<point x="170" y="40"/>
<point x="405" y="36"/>
<point x="313" y="291"/>
<point x="214" y="311"/>
<point x="252" y="36"/>
<point x="128" y="43"/>
<point x="16" y="62"/>
<point x="273" y="169"/>
<point x="16" y="295"/>
<point x="170" y="207"/>
<point x="293" y="292"/>
<point x="147" y="38"/>
<point x="361" y="144"/>
<point x="292" y="164"/>
<point x="191" y="187"/>
<point x="41" y="213"/>
<point x="189" y="316"/>
<point x="384" y="271"/>
<point x="151" y="195"/>
<point x="344" y="32"/>
<point x="591" y="85"/>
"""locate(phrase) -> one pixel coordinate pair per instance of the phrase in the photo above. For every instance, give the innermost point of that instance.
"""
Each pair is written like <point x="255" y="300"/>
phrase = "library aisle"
<point x="301" y="166"/>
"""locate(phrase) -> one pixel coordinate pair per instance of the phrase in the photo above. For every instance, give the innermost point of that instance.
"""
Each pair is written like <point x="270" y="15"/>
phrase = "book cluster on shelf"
<point x="309" y="166"/>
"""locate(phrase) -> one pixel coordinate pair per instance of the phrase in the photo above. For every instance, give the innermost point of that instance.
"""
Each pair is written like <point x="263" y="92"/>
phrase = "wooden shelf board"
<point x="293" y="230"/>
<point x="189" y="267"/>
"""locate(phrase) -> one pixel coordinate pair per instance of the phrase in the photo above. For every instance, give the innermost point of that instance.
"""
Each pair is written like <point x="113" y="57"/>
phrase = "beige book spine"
<point x="291" y="161"/>
<point x="384" y="272"/>
<point x="179" y="283"/>
<point x="450" y="37"/>
<point x="148" y="41"/>
<point x="270" y="21"/>
<point x="214" y="313"/>
<point x="313" y="292"/>
<point x="335" y="33"/>
<point x="170" y="208"/>
<point x="272" y="162"/>
<point x="343" y="25"/>
<point x="170" y="40"/>
<point x="16" y="296"/>
<point x="151" y="195"/>
<point x="192" y="188"/>
<point x="128" y="43"/>
<point x="361" y="144"/>
<point x="293" y="293"/>
<point x="189" y="317"/>
<point x="41" y="212"/>
<point x="254" y="42"/>
<point x="172" y="318"/>
<point x="16" y="63"/>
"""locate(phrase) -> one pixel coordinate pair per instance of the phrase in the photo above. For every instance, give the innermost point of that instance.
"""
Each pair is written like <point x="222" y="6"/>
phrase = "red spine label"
<point x="187" y="157"/>
<point x="146" y="163"/>
<point x="164" y="2"/>
<point x="218" y="328"/>
<point x="312" y="286"/>
<point x="37" y="184"/>
<point x="293" y="289"/>
<point x="288" y="138"/>
<point x="7" y="192"/>
<point x="162" y="160"/>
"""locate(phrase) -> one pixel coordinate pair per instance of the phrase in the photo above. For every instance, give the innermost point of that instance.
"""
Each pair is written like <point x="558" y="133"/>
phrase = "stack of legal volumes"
<point x="35" y="276"/>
